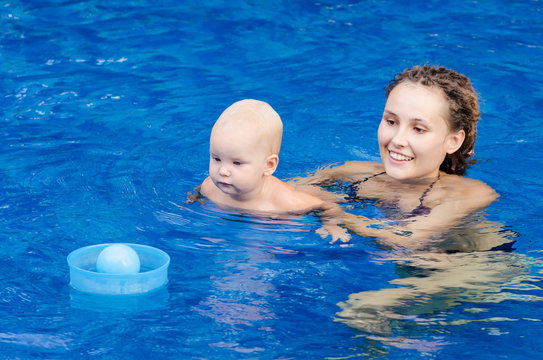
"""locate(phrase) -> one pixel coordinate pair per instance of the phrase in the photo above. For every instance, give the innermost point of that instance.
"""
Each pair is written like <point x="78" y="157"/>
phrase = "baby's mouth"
<point x="399" y="157"/>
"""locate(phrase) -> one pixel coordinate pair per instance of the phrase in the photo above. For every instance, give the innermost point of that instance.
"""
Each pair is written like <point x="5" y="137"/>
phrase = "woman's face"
<point x="414" y="135"/>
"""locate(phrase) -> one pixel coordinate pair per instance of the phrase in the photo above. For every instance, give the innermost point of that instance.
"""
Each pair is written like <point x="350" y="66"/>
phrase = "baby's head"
<point x="244" y="147"/>
<point x="253" y="119"/>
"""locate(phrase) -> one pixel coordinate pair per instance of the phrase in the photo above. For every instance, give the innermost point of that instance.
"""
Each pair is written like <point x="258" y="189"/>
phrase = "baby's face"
<point x="237" y="162"/>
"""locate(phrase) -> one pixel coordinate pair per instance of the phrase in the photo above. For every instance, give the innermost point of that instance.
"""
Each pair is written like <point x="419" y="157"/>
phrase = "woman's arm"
<point x="329" y="212"/>
<point x="348" y="171"/>
<point x="418" y="232"/>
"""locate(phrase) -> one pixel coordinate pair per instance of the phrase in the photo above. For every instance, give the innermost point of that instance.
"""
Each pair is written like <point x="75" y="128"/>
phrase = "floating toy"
<point x="112" y="269"/>
<point x="118" y="259"/>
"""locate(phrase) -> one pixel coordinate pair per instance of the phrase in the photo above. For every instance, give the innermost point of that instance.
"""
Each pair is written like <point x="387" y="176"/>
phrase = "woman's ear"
<point x="271" y="164"/>
<point x="455" y="140"/>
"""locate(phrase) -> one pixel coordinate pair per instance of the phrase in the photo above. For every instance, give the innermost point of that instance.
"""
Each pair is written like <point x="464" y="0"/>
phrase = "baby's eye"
<point x="237" y="163"/>
<point x="216" y="158"/>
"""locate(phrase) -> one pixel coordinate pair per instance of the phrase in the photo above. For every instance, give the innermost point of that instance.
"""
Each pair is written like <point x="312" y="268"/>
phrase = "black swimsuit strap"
<point x="353" y="188"/>
<point x="421" y="199"/>
<point x="369" y="177"/>
<point x="421" y="209"/>
<point x="352" y="195"/>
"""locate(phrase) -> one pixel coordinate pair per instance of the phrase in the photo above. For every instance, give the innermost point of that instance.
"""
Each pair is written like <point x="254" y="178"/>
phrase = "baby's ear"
<point x="271" y="164"/>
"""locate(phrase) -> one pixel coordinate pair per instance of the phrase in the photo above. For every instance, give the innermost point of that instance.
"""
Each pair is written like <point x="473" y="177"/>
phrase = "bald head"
<point x="253" y="118"/>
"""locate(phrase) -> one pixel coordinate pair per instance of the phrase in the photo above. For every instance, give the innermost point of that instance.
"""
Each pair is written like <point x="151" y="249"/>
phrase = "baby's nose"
<point x="224" y="171"/>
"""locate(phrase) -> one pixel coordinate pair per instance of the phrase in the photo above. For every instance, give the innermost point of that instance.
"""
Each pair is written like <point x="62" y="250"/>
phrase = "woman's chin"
<point x="397" y="172"/>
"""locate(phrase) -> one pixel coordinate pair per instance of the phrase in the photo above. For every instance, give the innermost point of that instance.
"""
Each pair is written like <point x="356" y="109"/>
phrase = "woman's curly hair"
<point x="463" y="108"/>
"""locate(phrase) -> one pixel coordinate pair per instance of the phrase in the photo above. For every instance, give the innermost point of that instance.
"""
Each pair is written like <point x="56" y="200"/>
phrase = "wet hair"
<point x="463" y="108"/>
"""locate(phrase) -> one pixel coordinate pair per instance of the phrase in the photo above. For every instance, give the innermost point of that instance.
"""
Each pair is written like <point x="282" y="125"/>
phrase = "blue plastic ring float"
<point x="85" y="278"/>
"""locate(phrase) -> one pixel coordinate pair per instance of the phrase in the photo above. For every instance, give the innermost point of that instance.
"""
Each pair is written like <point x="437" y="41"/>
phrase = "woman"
<point x="426" y="139"/>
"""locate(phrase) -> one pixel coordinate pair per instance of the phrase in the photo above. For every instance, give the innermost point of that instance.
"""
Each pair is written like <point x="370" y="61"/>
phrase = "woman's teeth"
<point x="399" y="157"/>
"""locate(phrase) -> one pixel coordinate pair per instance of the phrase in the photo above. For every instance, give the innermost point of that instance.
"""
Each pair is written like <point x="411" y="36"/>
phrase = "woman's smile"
<point x="399" y="157"/>
<point x="413" y="132"/>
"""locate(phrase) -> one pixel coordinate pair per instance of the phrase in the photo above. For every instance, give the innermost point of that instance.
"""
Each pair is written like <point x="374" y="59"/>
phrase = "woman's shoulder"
<point x="464" y="182"/>
<point x="469" y="188"/>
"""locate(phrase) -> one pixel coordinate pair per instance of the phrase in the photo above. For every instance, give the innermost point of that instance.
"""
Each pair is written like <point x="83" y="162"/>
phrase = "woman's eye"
<point x="390" y="121"/>
<point x="419" y="130"/>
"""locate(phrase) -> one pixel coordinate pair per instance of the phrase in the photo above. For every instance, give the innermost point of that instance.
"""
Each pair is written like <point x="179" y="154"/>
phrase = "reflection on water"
<point x="476" y="233"/>
<point x="430" y="283"/>
<point x="155" y="300"/>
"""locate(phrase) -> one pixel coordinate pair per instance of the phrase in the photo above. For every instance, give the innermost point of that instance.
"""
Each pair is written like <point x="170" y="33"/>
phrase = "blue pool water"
<point x="106" y="109"/>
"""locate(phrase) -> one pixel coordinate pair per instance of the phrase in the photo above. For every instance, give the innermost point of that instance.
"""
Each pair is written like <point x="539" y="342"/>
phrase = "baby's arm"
<point x="195" y="195"/>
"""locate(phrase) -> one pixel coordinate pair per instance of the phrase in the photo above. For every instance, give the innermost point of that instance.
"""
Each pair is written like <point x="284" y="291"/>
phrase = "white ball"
<point x="118" y="259"/>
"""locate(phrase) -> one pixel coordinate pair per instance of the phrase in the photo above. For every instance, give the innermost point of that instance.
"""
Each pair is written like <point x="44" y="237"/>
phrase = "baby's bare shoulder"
<point x="213" y="193"/>
<point x="290" y="197"/>
<point x="207" y="187"/>
<point x="308" y="196"/>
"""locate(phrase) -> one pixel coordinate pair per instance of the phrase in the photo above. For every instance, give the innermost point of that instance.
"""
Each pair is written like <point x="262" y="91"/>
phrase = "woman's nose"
<point x="400" y="137"/>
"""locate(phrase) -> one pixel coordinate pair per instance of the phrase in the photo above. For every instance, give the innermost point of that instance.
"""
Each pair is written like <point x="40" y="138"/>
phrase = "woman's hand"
<point x="335" y="231"/>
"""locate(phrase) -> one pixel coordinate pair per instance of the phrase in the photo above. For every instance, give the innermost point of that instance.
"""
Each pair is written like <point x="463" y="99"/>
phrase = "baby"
<point x="244" y="153"/>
